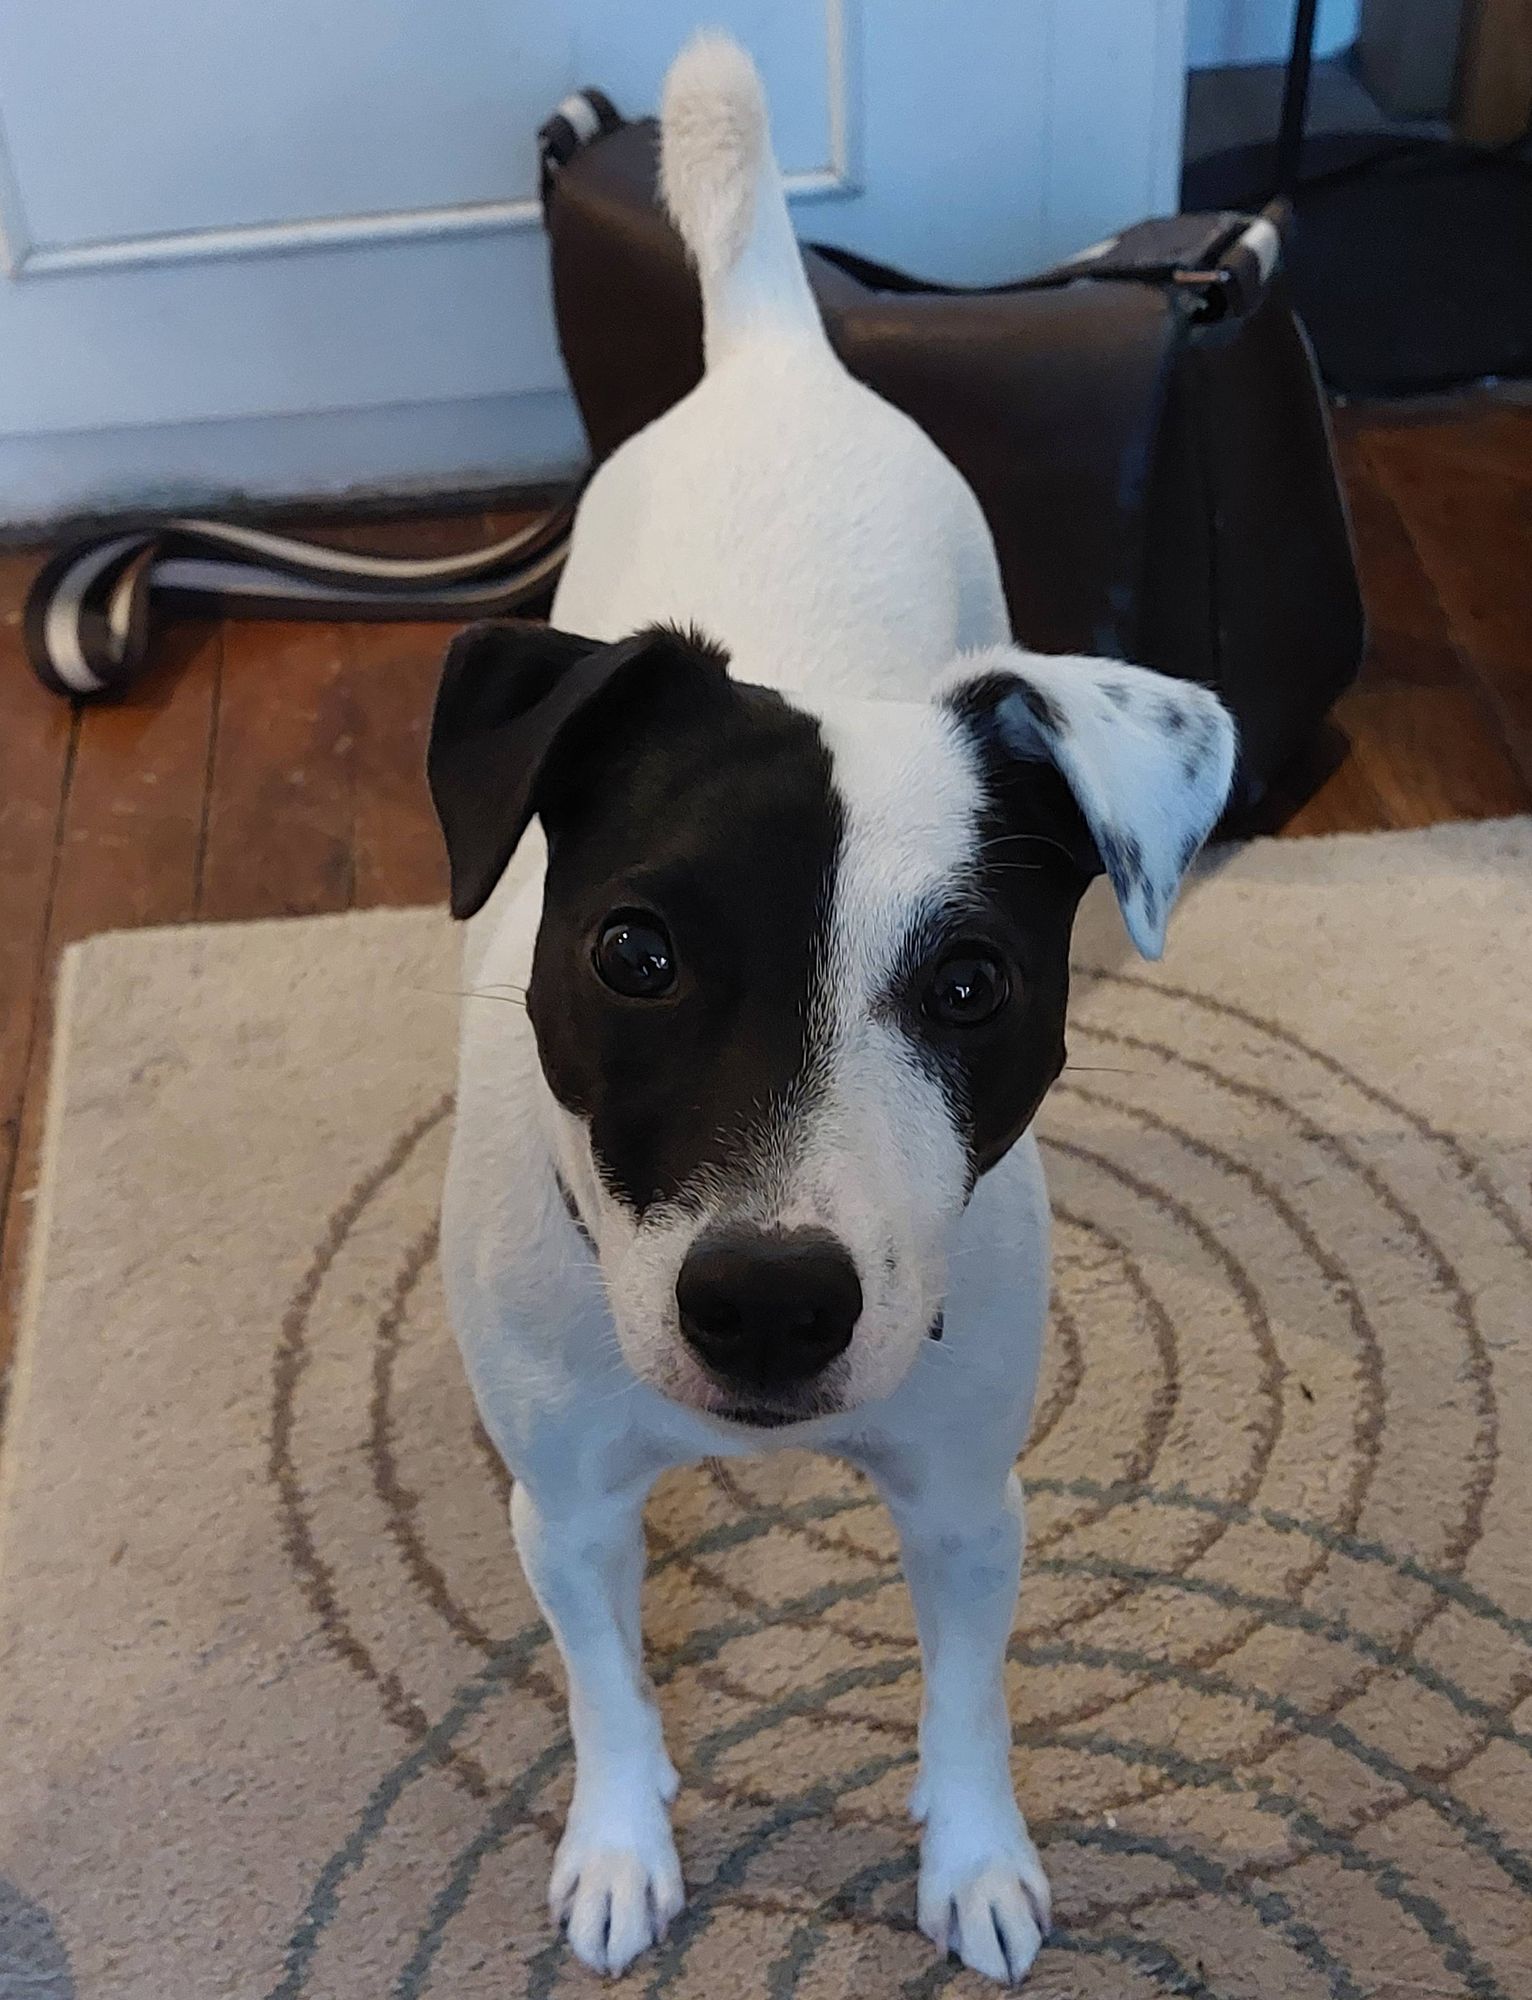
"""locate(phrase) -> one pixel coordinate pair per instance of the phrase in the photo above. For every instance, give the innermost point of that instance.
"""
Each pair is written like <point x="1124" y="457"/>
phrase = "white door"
<point x="293" y="246"/>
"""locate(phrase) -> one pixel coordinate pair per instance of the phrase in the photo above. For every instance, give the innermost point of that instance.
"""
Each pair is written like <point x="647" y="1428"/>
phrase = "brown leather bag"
<point x="1144" y="429"/>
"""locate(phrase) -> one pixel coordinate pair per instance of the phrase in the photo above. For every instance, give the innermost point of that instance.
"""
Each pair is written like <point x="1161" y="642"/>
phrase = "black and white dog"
<point x="795" y="972"/>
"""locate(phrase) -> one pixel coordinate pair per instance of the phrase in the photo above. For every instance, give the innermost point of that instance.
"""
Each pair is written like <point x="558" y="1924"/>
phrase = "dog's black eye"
<point x="968" y="988"/>
<point x="634" y="957"/>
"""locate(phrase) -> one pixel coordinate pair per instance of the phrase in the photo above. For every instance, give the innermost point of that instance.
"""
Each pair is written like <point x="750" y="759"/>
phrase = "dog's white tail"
<point x="721" y="185"/>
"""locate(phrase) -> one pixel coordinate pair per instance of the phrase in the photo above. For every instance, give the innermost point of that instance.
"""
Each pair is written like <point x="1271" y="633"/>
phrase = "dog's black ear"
<point x="510" y="697"/>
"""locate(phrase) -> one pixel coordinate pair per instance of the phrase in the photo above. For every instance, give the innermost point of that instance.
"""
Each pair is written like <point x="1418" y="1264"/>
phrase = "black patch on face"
<point x="1035" y="860"/>
<point x="713" y="812"/>
<point x="1172" y="716"/>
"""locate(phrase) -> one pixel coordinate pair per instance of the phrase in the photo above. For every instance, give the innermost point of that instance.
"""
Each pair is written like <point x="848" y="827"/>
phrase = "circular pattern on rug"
<point x="1269" y="1722"/>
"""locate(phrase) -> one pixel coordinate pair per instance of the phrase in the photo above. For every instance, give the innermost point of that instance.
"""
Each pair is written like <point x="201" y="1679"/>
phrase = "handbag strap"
<point x="90" y="613"/>
<point x="93" y="607"/>
<point x="1220" y="263"/>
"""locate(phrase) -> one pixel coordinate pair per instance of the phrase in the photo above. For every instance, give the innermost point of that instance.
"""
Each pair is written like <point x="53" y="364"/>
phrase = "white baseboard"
<point x="405" y="449"/>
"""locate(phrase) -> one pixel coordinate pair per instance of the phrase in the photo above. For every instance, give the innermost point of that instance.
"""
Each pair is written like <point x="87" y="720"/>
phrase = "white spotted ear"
<point x="1148" y="759"/>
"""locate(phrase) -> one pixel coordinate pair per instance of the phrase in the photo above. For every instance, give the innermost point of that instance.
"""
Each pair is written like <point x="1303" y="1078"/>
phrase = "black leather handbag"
<point x="1143" y="428"/>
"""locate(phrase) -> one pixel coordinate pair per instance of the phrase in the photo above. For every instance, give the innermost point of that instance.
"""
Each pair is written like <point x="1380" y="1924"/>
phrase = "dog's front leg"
<point x="616" y="1880"/>
<point x="982" y="1890"/>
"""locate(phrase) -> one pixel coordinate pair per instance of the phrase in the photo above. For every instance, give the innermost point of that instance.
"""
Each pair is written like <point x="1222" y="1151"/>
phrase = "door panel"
<point x="243" y="213"/>
<point x="130" y="122"/>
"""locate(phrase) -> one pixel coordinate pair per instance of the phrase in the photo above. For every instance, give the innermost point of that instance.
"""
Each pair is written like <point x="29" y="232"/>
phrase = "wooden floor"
<point x="271" y="769"/>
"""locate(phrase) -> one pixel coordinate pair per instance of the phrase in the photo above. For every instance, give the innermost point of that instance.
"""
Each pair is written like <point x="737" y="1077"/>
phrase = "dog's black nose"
<point x="768" y="1308"/>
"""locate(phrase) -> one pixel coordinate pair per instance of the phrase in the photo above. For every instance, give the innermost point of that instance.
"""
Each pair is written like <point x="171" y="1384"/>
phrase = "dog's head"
<point x="801" y="974"/>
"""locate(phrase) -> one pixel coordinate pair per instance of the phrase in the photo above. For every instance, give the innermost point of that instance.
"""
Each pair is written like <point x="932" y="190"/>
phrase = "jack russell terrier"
<point x="795" y="961"/>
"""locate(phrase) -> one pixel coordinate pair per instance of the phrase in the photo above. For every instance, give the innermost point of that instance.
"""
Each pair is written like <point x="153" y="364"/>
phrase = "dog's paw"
<point x="616" y="1885"/>
<point x="984" y="1898"/>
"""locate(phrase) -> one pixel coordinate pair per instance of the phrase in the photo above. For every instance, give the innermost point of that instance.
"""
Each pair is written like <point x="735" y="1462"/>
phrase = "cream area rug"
<point x="278" y="1719"/>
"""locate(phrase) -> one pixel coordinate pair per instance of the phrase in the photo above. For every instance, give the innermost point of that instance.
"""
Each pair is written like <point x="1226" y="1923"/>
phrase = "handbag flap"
<point x="1049" y="403"/>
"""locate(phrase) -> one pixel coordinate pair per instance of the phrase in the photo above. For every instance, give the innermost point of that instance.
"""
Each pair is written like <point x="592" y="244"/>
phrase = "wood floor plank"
<point x="1488" y="433"/>
<point x="1425" y="754"/>
<point x="280" y="801"/>
<point x="1426" y="744"/>
<point x="131" y="841"/>
<point x="1471" y="526"/>
<point x="1409" y="638"/>
<point x="397" y="848"/>
<point x="1324" y="791"/>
